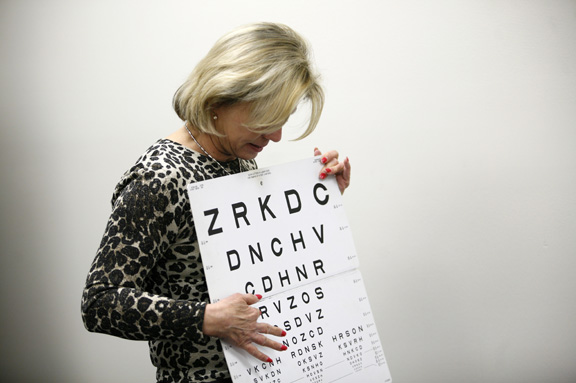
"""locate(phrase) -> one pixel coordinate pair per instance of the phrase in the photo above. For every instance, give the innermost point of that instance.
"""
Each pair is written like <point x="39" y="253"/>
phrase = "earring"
<point x="215" y="117"/>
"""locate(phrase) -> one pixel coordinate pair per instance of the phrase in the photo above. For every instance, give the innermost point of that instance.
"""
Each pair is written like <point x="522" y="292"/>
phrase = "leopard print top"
<point x="147" y="281"/>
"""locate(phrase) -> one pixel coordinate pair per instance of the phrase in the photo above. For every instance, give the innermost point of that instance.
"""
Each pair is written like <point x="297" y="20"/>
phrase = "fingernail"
<point x="258" y="296"/>
<point x="324" y="160"/>
<point x="322" y="176"/>
<point x="269" y="360"/>
<point x="283" y="333"/>
<point x="284" y="348"/>
<point x="328" y="170"/>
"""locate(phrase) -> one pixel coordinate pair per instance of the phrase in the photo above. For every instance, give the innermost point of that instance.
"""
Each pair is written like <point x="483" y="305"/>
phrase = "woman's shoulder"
<point x="164" y="163"/>
<point x="167" y="154"/>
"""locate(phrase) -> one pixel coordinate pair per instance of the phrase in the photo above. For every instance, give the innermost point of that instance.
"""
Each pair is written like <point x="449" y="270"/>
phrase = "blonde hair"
<point x="265" y="65"/>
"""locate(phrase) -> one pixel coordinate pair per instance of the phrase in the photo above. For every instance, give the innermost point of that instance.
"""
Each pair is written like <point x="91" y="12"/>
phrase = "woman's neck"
<point x="200" y="142"/>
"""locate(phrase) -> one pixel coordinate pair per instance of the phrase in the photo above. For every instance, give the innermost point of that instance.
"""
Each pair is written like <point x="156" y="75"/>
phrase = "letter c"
<point x="326" y="198"/>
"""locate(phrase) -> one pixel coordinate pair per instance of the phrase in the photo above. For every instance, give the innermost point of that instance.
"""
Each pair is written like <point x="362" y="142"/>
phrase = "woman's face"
<point x="238" y="140"/>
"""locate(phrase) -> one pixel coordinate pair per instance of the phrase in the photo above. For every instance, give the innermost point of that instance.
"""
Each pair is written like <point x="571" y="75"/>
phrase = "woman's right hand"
<point x="235" y="321"/>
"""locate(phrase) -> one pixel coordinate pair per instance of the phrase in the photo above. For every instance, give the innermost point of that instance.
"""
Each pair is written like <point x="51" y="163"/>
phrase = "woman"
<point x="147" y="280"/>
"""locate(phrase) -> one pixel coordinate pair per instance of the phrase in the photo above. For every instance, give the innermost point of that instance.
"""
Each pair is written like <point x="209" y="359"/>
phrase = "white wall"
<point x="460" y="121"/>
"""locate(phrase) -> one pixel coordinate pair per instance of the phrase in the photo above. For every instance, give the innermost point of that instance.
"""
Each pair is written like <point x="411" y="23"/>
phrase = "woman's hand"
<point x="341" y="170"/>
<point x="234" y="320"/>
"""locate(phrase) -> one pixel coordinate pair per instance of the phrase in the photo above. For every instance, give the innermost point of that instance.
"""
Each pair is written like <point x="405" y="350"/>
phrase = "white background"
<point x="459" y="118"/>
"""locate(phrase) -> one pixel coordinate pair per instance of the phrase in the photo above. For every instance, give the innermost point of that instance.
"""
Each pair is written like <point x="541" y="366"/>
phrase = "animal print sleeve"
<point x="139" y="231"/>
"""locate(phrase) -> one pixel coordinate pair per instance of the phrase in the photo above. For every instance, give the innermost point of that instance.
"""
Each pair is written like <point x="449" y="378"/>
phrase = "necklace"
<point x="208" y="154"/>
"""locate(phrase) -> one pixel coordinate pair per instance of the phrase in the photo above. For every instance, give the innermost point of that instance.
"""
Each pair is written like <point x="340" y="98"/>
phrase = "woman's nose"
<point x="274" y="136"/>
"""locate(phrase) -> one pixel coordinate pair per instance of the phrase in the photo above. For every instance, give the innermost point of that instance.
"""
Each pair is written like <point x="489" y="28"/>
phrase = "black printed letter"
<point x="211" y="229"/>
<point x="237" y="265"/>
<point x="264" y="206"/>
<point x="325" y="200"/>
<point x="239" y="214"/>
<point x="291" y="209"/>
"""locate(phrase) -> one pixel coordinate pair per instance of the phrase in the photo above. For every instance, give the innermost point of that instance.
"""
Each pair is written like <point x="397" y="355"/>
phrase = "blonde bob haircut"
<point x="265" y="65"/>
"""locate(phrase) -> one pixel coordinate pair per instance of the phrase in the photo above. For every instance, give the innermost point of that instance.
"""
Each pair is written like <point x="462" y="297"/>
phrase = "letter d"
<point x="292" y="209"/>
<point x="237" y="256"/>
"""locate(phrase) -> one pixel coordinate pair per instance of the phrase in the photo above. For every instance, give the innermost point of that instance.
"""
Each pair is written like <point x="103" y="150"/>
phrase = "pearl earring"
<point x="215" y="117"/>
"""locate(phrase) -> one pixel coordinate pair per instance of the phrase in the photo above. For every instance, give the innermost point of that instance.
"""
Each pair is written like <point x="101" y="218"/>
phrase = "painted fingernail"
<point x="269" y="360"/>
<point x="322" y="176"/>
<point x="328" y="170"/>
<point x="284" y="348"/>
<point x="324" y="160"/>
<point x="283" y="333"/>
<point x="258" y="296"/>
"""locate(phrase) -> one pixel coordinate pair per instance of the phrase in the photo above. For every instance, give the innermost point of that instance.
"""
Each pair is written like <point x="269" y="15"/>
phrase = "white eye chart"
<point x="282" y="232"/>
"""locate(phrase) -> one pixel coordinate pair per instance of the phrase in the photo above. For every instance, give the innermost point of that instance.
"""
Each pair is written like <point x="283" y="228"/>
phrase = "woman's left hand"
<point x="339" y="169"/>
